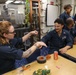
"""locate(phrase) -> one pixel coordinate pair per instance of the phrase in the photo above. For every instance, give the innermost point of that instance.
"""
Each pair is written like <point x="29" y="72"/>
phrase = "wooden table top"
<point x="62" y="66"/>
<point x="72" y="51"/>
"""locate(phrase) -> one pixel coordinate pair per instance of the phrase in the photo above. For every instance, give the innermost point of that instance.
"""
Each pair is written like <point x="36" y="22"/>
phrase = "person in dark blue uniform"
<point x="58" y="39"/>
<point x="74" y="17"/>
<point x="66" y="13"/>
<point x="70" y="27"/>
<point x="8" y="51"/>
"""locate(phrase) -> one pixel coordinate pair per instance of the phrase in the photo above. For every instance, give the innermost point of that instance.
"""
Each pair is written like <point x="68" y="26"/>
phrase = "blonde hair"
<point x="4" y="28"/>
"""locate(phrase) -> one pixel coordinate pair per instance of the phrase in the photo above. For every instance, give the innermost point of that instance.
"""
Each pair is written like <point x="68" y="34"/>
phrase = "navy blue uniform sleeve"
<point x="69" y="40"/>
<point x="47" y="37"/>
<point x="17" y="41"/>
<point x="61" y="16"/>
<point x="64" y="17"/>
<point x="6" y="52"/>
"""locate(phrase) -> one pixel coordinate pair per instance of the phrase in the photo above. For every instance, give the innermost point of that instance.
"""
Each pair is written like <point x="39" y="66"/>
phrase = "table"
<point x="70" y="54"/>
<point x="62" y="66"/>
<point x="72" y="51"/>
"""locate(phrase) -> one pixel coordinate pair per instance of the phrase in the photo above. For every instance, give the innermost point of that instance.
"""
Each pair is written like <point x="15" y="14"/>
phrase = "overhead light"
<point x="17" y="2"/>
<point x="7" y="2"/>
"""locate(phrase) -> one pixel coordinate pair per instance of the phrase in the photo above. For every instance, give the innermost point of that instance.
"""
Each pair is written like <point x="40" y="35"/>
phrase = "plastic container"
<point x="55" y="55"/>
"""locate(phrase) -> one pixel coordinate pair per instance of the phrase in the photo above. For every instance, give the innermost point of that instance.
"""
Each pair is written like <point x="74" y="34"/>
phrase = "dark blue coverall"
<point x="55" y="42"/>
<point x="64" y="16"/>
<point x="72" y="32"/>
<point x="8" y="54"/>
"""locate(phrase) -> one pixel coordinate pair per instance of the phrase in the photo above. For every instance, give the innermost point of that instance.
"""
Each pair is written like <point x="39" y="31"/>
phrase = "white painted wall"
<point x="44" y="28"/>
<point x="72" y="2"/>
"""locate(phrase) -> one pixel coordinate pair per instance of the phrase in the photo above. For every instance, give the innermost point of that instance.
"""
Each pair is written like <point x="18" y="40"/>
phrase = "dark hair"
<point x="69" y="21"/>
<point x="59" y="21"/>
<point x="67" y="6"/>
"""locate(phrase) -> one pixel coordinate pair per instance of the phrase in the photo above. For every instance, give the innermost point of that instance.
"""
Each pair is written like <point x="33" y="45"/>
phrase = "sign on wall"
<point x="52" y="14"/>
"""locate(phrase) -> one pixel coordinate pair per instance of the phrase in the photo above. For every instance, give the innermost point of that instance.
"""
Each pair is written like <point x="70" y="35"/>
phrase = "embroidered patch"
<point x="64" y="37"/>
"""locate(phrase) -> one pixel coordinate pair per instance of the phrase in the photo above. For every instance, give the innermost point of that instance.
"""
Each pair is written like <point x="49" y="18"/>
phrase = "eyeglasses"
<point x="12" y="32"/>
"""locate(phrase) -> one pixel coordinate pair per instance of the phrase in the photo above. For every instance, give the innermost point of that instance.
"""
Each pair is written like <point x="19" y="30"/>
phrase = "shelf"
<point x="35" y="15"/>
<point x="35" y="7"/>
<point x="42" y="16"/>
<point x="43" y="22"/>
<point x="43" y="9"/>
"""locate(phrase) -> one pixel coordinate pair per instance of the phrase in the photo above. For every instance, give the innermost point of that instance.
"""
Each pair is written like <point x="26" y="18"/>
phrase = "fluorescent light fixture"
<point x="17" y="2"/>
<point x="7" y="2"/>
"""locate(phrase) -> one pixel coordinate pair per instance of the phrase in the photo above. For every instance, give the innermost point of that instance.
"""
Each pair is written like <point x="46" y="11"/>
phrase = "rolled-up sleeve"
<point x="47" y="37"/>
<point x="17" y="41"/>
<point x="69" y="40"/>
